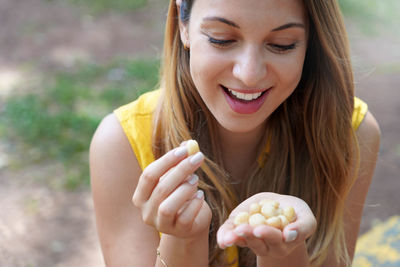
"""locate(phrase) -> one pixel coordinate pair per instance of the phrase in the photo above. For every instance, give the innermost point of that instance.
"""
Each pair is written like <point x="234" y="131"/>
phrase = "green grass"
<point x="99" y="6"/>
<point x="59" y="122"/>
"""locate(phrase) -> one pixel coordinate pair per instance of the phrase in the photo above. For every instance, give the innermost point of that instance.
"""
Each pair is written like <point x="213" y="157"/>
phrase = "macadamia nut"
<point x="289" y="213"/>
<point x="266" y="212"/>
<point x="273" y="203"/>
<point x="284" y="220"/>
<point x="241" y="218"/>
<point x="192" y="147"/>
<point x="256" y="219"/>
<point x="274" y="222"/>
<point x="255" y="208"/>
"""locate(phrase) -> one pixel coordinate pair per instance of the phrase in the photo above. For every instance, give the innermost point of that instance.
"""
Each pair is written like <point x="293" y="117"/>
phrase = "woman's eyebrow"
<point x="289" y="25"/>
<point x="223" y="20"/>
<point x="233" y="24"/>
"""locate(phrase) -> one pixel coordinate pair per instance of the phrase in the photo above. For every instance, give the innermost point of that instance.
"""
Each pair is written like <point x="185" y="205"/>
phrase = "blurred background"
<point x="65" y="64"/>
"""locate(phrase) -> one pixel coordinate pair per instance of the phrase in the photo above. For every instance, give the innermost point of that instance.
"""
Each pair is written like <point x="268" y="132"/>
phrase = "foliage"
<point x="372" y="14"/>
<point x="60" y="121"/>
<point x="101" y="6"/>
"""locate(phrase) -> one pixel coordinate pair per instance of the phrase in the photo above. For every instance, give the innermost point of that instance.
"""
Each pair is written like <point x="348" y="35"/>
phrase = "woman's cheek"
<point x="291" y="70"/>
<point x="205" y="65"/>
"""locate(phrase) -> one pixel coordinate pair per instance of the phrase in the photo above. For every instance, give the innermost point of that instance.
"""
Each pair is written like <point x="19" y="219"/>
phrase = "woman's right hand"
<point x="168" y="198"/>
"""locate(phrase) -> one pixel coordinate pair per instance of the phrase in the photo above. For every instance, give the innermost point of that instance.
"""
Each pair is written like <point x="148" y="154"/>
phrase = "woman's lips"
<point x="244" y="106"/>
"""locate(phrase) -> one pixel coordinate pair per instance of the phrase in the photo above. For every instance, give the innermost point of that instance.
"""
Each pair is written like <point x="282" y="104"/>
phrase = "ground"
<point x="42" y="225"/>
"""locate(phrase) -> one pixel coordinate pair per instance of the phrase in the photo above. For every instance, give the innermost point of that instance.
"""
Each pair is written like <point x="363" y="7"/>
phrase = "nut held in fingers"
<point x="192" y="147"/>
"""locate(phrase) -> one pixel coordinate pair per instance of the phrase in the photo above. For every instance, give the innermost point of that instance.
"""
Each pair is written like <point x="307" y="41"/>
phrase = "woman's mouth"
<point x="245" y="103"/>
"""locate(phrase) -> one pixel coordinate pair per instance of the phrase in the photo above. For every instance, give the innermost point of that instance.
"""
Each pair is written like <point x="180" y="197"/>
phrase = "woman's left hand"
<point x="266" y="240"/>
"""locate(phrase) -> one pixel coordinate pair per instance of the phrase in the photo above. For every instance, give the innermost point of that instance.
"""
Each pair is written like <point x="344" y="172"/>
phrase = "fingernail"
<point x="200" y="194"/>
<point x="193" y="179"/>
<point x="292" y="235"/>
<point x="196" y="158"/>
<point x="180" y="151"/>
<point x="183" y="143"/>
<point x="257" y="234"/>
<point x="239" y="233"/>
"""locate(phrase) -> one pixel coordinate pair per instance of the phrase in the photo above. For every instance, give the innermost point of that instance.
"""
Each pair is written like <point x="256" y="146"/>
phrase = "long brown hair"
<point x="310" y="135"/>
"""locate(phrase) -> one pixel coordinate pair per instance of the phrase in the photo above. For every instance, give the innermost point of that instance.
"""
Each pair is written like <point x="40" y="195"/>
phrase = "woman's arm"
<point x="125" y="239"/>
<point x="129" y="234"/>
<point x="368" y="135"/>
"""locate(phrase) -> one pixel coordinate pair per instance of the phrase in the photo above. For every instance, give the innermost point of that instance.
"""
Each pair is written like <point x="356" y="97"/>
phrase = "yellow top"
<point x="136" y="119"/>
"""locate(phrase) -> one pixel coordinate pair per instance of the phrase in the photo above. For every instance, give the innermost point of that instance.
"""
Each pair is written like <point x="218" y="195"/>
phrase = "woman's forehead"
<point x="252" y="11"/>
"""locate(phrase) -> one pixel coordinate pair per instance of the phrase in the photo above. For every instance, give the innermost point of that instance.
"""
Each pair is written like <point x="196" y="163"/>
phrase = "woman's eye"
<point x="282" y="48"/>
<point x="220" y="43"/>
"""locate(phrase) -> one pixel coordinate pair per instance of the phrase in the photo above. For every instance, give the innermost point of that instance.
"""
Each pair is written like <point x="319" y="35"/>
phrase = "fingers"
<point x="187" y="216"/>
<point x="244" y="236"/>
<point x="269" y="234"/>
<point x="301" y="229"/>
<point x="256" y="244"/>
<point x="172" y="164"/>
<point x="169" y="208"/>
<point x="151" y="175"/>
<point x="166" y="189"/>
<point x="226" y="236"/>
<point x="274" y="241"/>
<point x="174" y="178"/>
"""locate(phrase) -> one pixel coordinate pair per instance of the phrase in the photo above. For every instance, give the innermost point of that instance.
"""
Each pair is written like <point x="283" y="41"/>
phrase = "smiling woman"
<point x="251" y="60"/>
<point x="266" y="88"/>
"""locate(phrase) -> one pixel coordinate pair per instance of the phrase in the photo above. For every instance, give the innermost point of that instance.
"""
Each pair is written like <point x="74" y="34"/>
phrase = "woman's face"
<point x="246" y="57"/>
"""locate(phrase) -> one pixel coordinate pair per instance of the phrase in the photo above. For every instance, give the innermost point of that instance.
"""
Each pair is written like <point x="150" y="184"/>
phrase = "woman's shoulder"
<point x="112" y="162"/>
<point x="368" y="133"/>
<point x="110" y="141"/>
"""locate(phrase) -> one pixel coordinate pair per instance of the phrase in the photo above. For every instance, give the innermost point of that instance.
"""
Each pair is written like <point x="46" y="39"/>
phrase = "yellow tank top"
<point x="136" y="119"/>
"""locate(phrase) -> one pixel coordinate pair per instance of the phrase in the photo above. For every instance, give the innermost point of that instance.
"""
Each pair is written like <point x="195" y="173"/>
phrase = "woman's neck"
<point x="240" y="150"/>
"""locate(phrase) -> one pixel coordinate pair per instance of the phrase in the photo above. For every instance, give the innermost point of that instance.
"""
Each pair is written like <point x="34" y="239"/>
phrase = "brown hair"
<point x="310" y="135"/>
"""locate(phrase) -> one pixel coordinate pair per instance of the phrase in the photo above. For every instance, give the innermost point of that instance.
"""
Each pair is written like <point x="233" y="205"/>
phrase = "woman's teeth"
<point x="246" y="97"/>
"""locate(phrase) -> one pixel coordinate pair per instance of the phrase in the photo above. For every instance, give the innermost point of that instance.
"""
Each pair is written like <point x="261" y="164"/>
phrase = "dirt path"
<point x="42" y="225"/>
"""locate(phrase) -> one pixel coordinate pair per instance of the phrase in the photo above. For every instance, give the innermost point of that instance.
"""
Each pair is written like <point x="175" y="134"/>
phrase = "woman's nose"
<point x="250" y="67"/>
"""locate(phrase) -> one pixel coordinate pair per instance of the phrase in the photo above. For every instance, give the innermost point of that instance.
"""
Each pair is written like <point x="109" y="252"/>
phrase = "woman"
<point x="266" y="88"/>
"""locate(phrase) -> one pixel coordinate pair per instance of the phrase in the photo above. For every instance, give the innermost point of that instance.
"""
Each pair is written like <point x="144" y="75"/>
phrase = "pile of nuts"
<point x="266" y="212"/>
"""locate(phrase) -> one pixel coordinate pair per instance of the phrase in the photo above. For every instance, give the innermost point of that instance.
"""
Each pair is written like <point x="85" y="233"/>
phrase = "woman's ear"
<point x="183" y="26"/>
